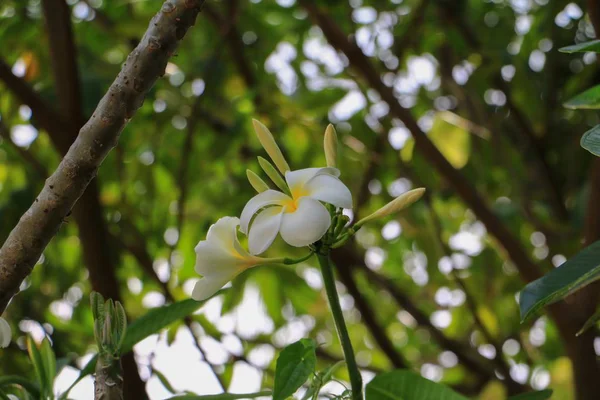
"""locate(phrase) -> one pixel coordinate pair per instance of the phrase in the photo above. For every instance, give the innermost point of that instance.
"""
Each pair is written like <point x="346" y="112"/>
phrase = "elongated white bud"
<point x="257" y="183"/>
<point x="330" y="143"/>
<point x="268" y="143"/>
<point x="5" y="333"/>
<point x="399" y="203"/>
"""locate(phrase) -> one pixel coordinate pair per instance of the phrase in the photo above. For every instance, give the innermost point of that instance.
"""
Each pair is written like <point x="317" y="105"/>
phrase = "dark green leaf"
<point x="38" y="365"/>
<point x="404" y="385"/>
<point x="49" y="361"/>
<point x="165" y="382"/>
<point x="591" y="140"/>
<point x="541" y="395"/>
<point x="584" y="47"/>
<point x="590" y="322"/>
<point x="590" y="99"/>
<point x="10" y="380"/>
<point x="295" y="365"/>
<point x="574" y="274"/>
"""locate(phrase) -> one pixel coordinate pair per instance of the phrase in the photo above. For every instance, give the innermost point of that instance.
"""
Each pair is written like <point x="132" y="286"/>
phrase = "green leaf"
<point x="159" y="318"/>
<point x="295" y="365"/>
<point x="590" y="322"/>
<point x="584" y="47"/>
<point x="590" y="99"/>
<point x="222" y="396"/>
<point x="541" y="395"/>
<point x="38" y="365"/>
<point x="165" y="382"/>
<point x="321" y="379"/>
<point x="404" y="384"/>
<point x="31" y="387"/>
<point x="120" y="325"/>
<point x="591" y="140"/>
<point x="49" y="362"/>
<point x="453" y="141"/>
<point x="574" y="274"/>
<point x="97" y="304"/>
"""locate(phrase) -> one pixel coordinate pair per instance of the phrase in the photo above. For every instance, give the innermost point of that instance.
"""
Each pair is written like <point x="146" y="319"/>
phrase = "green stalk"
<point x="340" y="324"/>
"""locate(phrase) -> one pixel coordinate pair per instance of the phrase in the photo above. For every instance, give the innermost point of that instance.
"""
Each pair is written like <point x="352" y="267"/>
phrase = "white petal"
<point x="264" y="229"/>
<point x="297" y="179"/>
<point x="330" y="190"/>
<point x="206" y="287"/>
<point x="268" y="197"/>
<point x="222" y="231"/>
<point x="5" y="333"/>
<point x="307" y="224"/>
<point x="216" y="258"/>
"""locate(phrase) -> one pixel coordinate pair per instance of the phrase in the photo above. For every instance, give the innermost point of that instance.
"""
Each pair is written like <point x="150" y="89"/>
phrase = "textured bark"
<point x="99" y="257"/>
<point x="98" y="136"/>
<point x="109" y="382"/>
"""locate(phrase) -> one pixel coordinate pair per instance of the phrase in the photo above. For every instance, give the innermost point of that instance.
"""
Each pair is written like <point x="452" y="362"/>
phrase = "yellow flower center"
<point x="292" y="204"/>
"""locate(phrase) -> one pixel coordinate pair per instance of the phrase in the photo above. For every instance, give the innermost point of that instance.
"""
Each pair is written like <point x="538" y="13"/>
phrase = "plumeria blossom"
<point x="300" y="218"/>
<point x="5" y="333"/>
<point x="221" y="257"/>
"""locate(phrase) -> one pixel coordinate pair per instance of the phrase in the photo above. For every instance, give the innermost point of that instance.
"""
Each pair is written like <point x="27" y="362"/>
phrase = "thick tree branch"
<point x="144" y="65"/>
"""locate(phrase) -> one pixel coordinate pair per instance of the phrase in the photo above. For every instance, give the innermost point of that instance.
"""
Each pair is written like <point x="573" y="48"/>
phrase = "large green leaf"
<point x="39" y="367"/>
<point x="574" y="274"/>
<point x="590" y="99"/>
<point x="584" y="47"/>
<point x="157" y="319"/>
<point x="591" y="140"/>
<point x="222" y="396"/>
<point x="541" y="395"/>
<point x="295" y="365"/>
<point x="403" y="384"/>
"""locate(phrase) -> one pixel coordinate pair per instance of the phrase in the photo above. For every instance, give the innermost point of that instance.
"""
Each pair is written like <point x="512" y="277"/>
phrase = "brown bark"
<point x="98" y="136"/>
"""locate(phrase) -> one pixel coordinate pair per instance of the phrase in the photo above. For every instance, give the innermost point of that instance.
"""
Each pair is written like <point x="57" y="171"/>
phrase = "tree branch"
<point x="98" y="136"/>
<point x="529" y="270"/>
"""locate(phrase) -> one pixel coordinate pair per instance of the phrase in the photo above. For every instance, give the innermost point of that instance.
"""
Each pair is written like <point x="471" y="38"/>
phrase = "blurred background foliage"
<point x="430" y="289"/>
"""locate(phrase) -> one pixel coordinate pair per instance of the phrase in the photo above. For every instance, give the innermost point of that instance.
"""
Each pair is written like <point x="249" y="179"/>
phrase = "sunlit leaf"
<point x="571" y="276"/>
<point x="591" y="140"/>
<point x="593" y="45"/>
<point x="404" y="384"/>
<point x="295" y="365"/>
<point x="453" y="141"/>
<point x="590" y="99"/>
<point x="159" y="318"/>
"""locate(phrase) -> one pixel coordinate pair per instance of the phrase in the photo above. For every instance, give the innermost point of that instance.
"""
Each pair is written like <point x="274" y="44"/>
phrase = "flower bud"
<point x="257" y="183"/>
<point x="268" y="143"/>
<point x="330" y="144"/>
<point x="399" y="203"/>
<point x="273" y="174"/>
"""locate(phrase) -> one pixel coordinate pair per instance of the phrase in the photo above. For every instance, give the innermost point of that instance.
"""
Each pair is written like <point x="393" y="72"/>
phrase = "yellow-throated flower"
<point x="301" y="219"/>
<point x="221" y="257"/>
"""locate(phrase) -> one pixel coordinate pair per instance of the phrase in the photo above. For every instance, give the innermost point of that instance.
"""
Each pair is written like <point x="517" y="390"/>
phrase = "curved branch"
<point x="99" y="135"/>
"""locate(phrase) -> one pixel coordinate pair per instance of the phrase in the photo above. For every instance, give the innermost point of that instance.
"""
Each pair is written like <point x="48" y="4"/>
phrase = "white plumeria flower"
<point x="5" y="333"/>
<point x="300" y="219"/>
<point x="221" y="257"/>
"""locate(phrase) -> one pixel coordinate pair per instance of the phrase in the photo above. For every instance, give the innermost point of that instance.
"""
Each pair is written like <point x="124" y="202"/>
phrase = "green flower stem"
<point x="340" y="324"/>
<point x="291" y="261"/>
